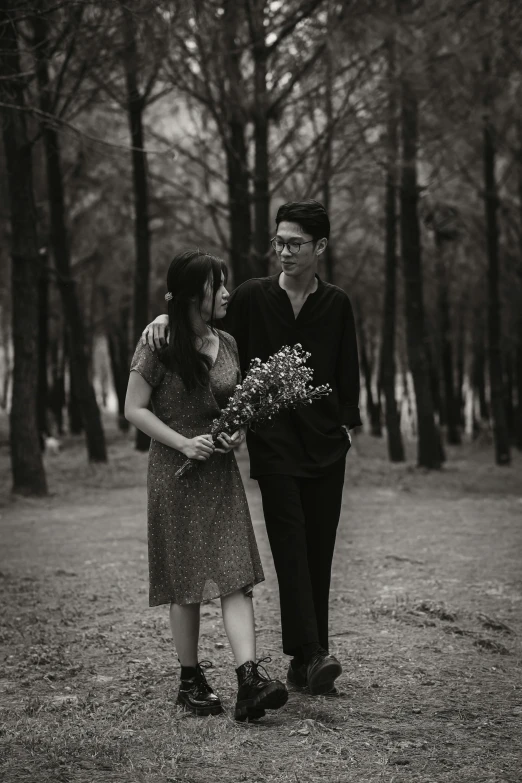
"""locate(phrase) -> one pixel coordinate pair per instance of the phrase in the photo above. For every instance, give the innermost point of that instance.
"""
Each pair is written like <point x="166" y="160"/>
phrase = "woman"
<point x="200" y="535"/>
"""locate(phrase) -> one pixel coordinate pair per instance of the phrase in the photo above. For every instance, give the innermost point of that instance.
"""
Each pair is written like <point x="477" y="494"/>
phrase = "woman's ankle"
<point x="188" y="672"/>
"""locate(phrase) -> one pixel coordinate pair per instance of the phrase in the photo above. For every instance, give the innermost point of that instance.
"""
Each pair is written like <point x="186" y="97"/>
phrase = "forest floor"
<point x="426" y="616"/>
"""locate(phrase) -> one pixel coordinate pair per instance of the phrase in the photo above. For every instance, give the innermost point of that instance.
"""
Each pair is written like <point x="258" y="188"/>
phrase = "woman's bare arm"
<point x="136" y="411"/>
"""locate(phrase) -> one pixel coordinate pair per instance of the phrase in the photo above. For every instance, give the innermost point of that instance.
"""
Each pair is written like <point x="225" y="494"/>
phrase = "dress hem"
<point x="248" y="587"/>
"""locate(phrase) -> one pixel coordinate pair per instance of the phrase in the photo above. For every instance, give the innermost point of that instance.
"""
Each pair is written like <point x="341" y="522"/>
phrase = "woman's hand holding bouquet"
<point x="280" y="383"/>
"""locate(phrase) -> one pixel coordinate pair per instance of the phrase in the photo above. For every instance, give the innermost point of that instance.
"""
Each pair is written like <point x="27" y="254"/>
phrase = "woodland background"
<point x="131" y="130"/>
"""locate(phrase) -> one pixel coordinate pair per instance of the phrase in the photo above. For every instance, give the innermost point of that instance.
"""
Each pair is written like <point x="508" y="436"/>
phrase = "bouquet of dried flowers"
<point x="283" y="381"/>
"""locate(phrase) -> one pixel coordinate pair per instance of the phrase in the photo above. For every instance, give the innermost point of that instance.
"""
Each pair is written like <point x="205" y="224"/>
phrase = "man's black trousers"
<point x="301" y="516"/>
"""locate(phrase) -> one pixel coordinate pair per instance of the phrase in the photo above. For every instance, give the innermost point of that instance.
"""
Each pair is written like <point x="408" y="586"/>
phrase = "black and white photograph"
<point x="260" y="391"/>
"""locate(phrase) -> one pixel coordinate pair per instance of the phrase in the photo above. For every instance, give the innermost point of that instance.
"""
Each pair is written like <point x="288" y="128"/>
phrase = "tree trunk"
<point x="328" y="256"/>
<point x="256" y="15"/>
<point x="510" y="392"/>
<point x="373" y="407"/>
<point x="500" y="429"/>
<point x="119" y="379"/>
<point x="429" y="448"/>
<point x="518" y="381"/>
<point x="118" y="344"/>
<point x="461" y="358"/>
<point x="26" y="457"/>
<point x="74" y="410"/>
<point x="6" y="344"/>
<point x="240" y="221"/>
<point x="135" y="109"/>
<point x="478" y="368"/>
<point x="57" y="396"/>
<point x="43" y="344"/>
<point x="239" y="205"/>
<point x="61" y="252"/>
<point x="449" y="404"/>
<point x="387" y="368"/>
<point x="518" y="345"/>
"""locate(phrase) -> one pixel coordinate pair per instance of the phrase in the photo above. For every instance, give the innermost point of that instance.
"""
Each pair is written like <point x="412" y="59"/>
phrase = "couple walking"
<point x="201" y="540"/>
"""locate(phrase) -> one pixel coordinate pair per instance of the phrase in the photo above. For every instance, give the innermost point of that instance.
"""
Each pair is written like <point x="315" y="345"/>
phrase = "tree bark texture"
<point x="491" y="203"/>
<point x="518" y="382"/>
<point x="429" y="449"/>
<point x="510" y="392"/>
<point x="118" y="344"/>
<point x="329" y="266"/>
<point x="478" y="367"/>
<point x="240" y="221"/>
<point x="43" y="345"/>
<point x="518" y="346"/>
<point x="387" y="363"/>
<point x="5" y="340"/>
<point x="26" y="457"/>
<point x="256" y="13"/>
<point x="57" y="397"/>
<point x="461" y="365"/>
<point x="79" y="359"/>
<point x="373" y="406"/>
<point x="135" y="109"/>
<point x="449" y="403"/>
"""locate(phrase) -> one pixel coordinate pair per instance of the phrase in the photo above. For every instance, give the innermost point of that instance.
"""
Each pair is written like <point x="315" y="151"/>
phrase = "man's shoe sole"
<point x="200" y="712"/>
<point x="323" y="681"/>
<point x="330" y="689"/>
<point x="273" y="697"/>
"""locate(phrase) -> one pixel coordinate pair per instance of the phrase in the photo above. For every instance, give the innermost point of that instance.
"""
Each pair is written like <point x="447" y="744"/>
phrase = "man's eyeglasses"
<point x="293" y="247"/>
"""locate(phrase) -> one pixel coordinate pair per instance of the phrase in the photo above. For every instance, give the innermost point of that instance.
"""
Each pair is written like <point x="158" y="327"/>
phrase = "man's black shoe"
<point x="321" y="672"/>
<point x="296" y="680"/>
<point x="196" y="696"/>
<point x="257" y="692"/>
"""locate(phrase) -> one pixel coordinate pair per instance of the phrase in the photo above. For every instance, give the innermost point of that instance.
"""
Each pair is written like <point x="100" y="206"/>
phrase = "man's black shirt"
<point x="307" y="441"/>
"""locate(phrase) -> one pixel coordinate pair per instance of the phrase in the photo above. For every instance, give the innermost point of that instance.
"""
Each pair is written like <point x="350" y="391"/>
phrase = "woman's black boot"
<point x="195" y="694"/>
<point x="257" y="692"/>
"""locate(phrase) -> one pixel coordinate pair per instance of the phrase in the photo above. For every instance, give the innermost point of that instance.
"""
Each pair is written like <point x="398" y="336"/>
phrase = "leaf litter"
<point x="89" y="685"/>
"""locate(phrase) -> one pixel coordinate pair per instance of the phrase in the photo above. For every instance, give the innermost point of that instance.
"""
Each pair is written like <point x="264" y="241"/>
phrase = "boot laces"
<point x="201" y="667"/>
<point x="263" y="675"/>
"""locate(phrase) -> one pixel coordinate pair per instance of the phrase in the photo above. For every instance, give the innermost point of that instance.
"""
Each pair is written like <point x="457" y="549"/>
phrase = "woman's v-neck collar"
<point x="217" y="354"/>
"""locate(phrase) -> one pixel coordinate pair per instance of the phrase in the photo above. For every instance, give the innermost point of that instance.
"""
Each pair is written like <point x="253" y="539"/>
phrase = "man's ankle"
<point x="308" y="651"/>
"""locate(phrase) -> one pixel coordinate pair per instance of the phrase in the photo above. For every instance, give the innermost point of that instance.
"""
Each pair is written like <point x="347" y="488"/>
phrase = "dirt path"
<point x="426" y="615"/>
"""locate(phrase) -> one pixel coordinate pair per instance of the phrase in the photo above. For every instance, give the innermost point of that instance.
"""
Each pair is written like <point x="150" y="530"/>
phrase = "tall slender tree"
<point x="43" y="344"/>
<point x="136" y="103"/>
<point x="491" y="204"/>
<point x="26" y="458"/>
<point x="450" y="400"/>
<point x="327" y="166"/>
<point x="60" y="245"/>
<point x="234" y="135"/>
<point x="429" y="447"/>
<point x="388" y="366"/>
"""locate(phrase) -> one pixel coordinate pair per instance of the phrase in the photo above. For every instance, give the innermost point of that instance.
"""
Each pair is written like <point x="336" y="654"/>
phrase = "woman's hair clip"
<point x="168" y="296"/>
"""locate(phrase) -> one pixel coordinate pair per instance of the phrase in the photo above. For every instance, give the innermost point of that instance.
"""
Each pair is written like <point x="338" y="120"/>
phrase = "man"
<point x="299" y="460"/>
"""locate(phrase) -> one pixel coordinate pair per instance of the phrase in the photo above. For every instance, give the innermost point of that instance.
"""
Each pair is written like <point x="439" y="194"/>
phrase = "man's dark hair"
<point x="309" y="214"/>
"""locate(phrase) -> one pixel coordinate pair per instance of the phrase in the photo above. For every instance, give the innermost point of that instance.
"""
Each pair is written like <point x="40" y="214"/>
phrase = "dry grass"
<point x="425" y="614"/>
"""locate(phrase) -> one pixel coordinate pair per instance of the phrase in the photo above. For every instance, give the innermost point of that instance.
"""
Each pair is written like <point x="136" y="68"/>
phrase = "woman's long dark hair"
<point x="188" y="275"/>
